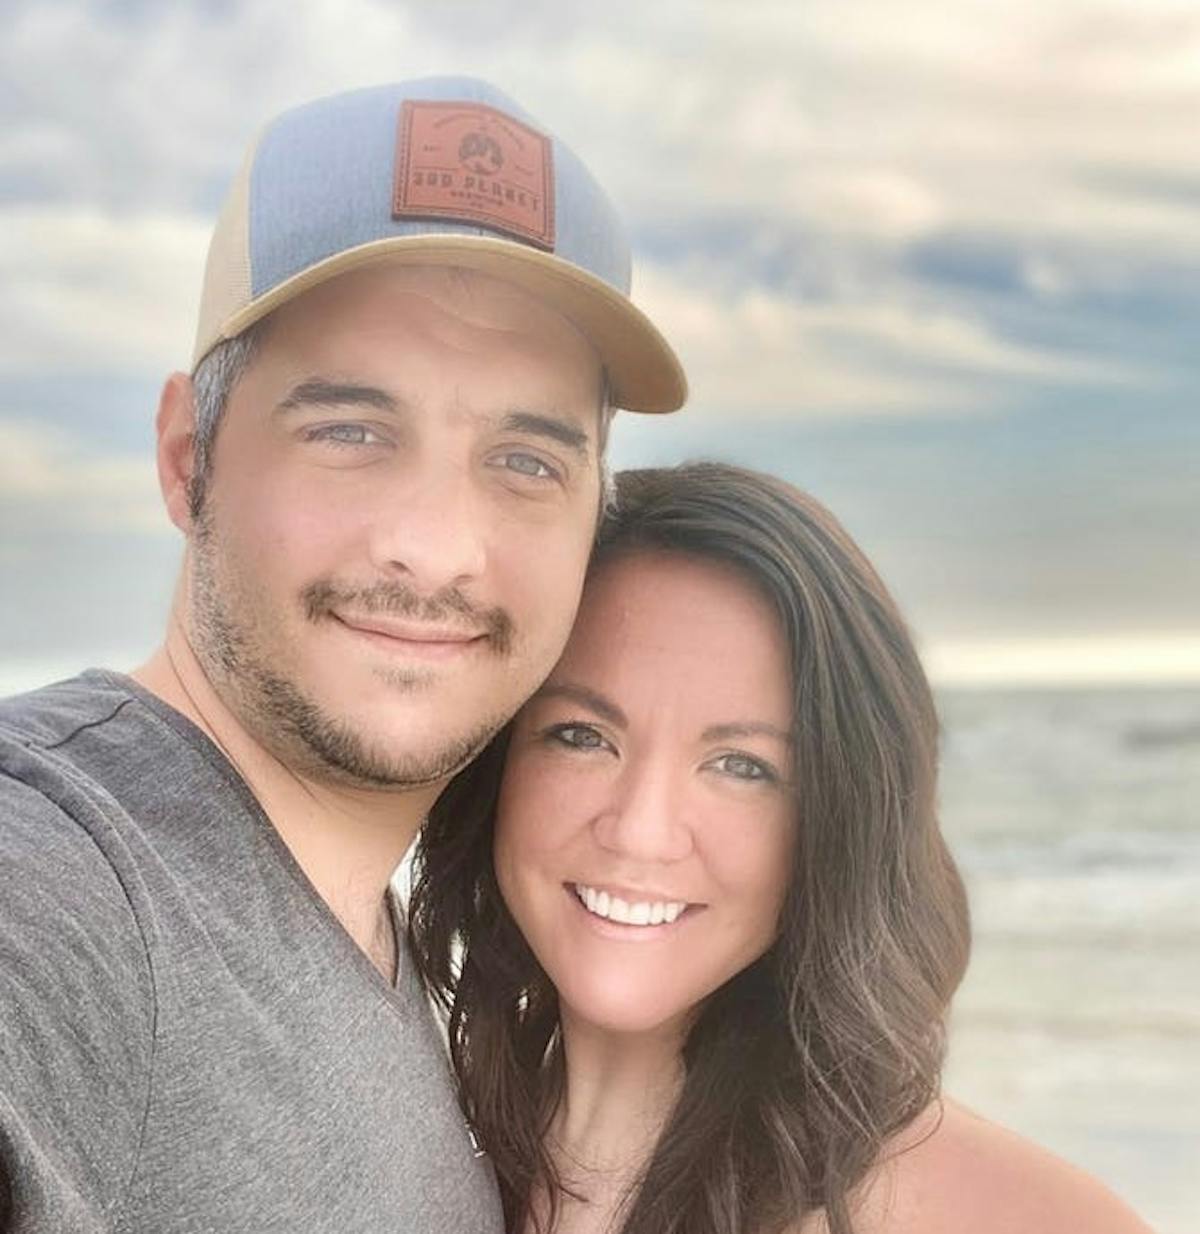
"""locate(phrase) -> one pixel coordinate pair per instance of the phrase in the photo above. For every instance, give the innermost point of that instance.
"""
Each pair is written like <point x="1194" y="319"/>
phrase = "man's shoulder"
<point x="48" y="717"/>
<point x="952" y="1170"/>
<point x="66" y="907"/>
<point x="99" y="738"/>
<point x="49" y="814"/>
<point x="63" y="755"/>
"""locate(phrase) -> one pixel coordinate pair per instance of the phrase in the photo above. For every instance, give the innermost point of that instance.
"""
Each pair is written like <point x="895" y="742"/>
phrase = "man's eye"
<point x="743" y="767"/>
<point x="526" y="465"/>
<point x="345" y="434"/>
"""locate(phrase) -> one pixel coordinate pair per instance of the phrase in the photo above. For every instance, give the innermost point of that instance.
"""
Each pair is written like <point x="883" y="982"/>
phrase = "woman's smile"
<point x="627" y="909"/>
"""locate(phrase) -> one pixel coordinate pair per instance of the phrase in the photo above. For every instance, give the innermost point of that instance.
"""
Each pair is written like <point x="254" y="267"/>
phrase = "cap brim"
<point x="644" y="374"/>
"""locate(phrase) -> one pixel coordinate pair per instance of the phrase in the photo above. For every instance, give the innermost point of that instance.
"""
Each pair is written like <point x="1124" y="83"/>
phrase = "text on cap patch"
<point x="474" y="164"/>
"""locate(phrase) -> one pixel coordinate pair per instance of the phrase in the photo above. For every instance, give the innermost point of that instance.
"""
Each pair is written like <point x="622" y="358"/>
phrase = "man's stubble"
<point x="227" y="638"/>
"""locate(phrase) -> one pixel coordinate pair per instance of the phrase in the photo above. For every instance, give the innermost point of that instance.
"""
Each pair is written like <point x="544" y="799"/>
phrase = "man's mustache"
<point x="324" y="598"/>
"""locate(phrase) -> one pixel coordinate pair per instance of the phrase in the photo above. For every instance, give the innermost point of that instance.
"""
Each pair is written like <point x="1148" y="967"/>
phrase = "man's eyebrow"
<point x="749" y="728"/>
<point x="322" y="392"/>
<point x="561" y="431"/>
<point x="595" y="702"/>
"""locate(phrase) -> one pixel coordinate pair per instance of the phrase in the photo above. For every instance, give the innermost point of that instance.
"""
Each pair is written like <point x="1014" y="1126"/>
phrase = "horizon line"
<point x="997" y="662"/>
<point x="1149" y="659"/>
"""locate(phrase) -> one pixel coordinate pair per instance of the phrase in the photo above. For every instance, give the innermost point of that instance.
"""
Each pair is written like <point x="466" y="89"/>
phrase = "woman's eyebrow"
<point x="747" y="728"/>
<point x="595" y="702"/>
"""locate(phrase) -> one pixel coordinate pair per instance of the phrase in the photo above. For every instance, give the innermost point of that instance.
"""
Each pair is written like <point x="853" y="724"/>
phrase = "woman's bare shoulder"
<point x="951" y="1171"/>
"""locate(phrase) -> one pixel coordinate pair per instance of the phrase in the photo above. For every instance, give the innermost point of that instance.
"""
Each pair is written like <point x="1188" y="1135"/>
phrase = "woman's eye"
<point x="345" y="434"/>
<point x="577" y="736"/>
<point x="743" y="767"/>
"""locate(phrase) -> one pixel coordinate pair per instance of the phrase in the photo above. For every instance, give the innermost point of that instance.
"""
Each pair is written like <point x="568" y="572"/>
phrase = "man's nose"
<point x="431" y="528"/>
<point x="647" y="819"/>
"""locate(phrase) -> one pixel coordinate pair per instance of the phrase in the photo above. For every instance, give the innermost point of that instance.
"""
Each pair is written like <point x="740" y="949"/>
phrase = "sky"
<point x="937" y="262"/>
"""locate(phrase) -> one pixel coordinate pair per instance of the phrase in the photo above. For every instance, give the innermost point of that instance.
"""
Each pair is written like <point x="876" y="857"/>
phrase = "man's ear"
<point x="176" y="427"/>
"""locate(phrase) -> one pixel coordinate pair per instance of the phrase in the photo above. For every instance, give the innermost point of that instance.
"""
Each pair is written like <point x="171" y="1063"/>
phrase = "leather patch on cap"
<point x="474" y="164"/>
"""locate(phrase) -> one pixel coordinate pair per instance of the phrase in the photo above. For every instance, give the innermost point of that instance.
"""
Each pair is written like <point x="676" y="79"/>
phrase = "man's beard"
<point x="290" y="723"/>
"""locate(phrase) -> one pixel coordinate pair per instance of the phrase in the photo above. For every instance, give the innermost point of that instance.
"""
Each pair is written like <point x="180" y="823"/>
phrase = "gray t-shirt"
<point x="189" y="1040"/>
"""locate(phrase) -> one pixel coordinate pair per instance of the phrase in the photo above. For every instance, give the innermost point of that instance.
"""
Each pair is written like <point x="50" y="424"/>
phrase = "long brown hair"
<point x="801" y="1066"/>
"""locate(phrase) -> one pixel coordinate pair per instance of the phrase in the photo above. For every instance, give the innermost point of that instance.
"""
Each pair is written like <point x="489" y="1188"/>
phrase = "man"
<point x="387" y="467"/>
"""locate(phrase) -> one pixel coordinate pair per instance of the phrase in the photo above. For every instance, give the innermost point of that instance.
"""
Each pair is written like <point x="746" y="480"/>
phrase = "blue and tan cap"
<point x="444" y="171"/>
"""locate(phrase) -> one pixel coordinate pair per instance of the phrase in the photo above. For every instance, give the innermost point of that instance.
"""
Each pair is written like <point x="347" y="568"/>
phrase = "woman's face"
<point x="646" y="825"/>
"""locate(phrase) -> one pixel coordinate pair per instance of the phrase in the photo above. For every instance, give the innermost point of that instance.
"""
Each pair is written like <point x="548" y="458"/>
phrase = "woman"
<point x="701" y="982"/>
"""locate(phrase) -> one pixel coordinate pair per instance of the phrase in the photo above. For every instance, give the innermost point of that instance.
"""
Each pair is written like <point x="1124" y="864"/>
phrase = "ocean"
<point x="1075" y="817"/>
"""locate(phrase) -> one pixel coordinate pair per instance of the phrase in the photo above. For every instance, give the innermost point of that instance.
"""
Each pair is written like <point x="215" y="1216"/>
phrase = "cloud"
<point x="840" y="211"/>
<point x="981" y="114"/>
<point x="860" y="115"/>
<point x="786" y="168"/>
<point x="88" y="289"/>
<point x="751" y="349"/>
<point x="49" y="481"/>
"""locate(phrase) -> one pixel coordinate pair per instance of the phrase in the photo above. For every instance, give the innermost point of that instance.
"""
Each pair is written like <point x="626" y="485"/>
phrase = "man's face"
<point x="392" y="545"/>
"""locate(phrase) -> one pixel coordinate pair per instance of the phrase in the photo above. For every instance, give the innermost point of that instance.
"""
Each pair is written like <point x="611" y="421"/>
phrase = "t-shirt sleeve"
<point x="76" y="1023"/>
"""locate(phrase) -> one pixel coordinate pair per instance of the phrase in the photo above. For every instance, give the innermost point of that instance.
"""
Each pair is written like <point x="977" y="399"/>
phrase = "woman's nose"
<point x="647" y="818"/>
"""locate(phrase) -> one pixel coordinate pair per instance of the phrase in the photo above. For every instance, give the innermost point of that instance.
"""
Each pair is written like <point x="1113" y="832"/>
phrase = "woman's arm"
<point x="951" y="1171"/>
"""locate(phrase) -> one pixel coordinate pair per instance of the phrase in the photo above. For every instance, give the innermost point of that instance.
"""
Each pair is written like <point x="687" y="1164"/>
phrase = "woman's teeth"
<point x="640" y="912"/>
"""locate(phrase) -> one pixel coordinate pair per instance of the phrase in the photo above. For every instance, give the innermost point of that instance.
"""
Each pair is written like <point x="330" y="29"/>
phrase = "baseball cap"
<point x="441" y="171"/>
